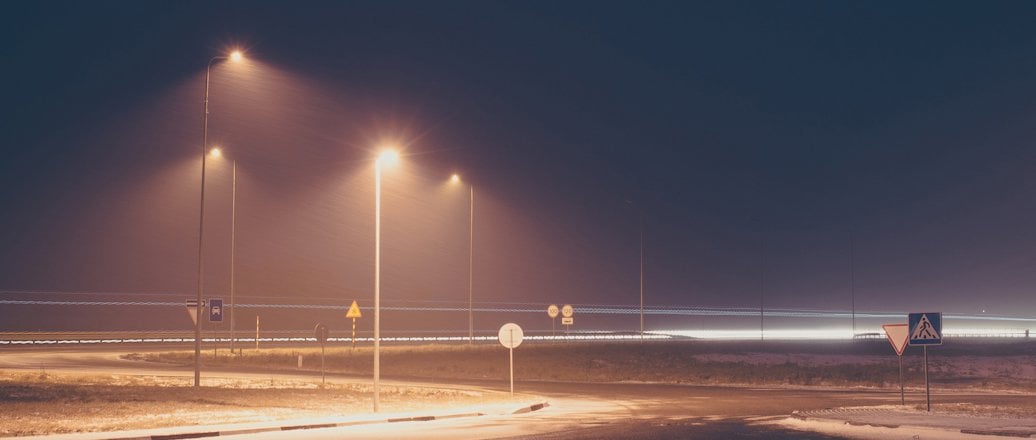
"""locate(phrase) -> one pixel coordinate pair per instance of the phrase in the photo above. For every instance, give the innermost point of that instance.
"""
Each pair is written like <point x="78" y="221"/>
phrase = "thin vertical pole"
<point x="256" y="332"/>
<point x="377" y="284"/>
<point x="471" y="264"/>
<point x="322" y="379"/>
<point x="852" y="280"/>
<point x="233" y="247"/>
<point x="762" y="279"/>
<point x="201" y="228"/>
<point x="510" y="350"/>
<point x="642" y="275"/>
<point x="927" y="389"/>
<point x="902" y="398"/>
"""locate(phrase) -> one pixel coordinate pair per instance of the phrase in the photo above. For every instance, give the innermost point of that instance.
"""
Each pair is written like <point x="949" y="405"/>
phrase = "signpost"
<point x="215" y="316"/>
<point x="321" y="335"/>
<point x="354" y="312"/>
<point x="925" y="329"/>
<point x="511" y="337"/>
<point x="216" y="310"/>
<point x="552" y="312"/>
<point x="898" y="335"/>
<point x="566" y="316"/>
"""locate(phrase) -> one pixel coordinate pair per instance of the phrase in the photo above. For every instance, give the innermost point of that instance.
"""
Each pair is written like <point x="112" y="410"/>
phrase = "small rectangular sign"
<point x="567" y="320"/>
<point x="215" y="310"/>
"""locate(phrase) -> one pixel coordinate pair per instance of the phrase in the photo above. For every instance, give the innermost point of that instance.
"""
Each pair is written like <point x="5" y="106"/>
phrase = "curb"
<point x="256" y="430"/>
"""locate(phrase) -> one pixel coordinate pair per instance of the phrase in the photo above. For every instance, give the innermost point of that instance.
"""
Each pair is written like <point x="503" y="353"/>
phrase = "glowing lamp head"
<point x="455" y="179"/>
<point x="236" y="56"/>
<point x="216" y="152"/>
<point x="388" y="158"/>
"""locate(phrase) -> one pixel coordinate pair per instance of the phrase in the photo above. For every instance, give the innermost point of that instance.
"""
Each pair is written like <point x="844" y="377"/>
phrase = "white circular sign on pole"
<point x="567" y="311"/>
<point x="552" y="311"/>
<point x="511" y="335"/>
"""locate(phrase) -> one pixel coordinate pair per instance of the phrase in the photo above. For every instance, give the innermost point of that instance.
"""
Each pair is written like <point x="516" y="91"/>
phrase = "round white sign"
<point x="567" y="311"/>
<point x="511" y="335"/>
<point x="552" y="311"/>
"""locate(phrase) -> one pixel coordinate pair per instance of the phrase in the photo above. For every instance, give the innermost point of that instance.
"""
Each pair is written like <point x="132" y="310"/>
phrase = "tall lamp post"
<point x="455" y="179"/>
<point x="387" y="157"/>
<point x="216" y="152"/>
<point x="641" y="224"/>
<point x="234" y="56"/>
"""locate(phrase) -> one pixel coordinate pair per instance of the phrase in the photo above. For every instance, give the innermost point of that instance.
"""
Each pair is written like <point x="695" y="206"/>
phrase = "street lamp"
<point x="235" y="56"/>
<point x="217" y="153"/>
<point x="455" y="179"/>
<point x="389" y="158"/>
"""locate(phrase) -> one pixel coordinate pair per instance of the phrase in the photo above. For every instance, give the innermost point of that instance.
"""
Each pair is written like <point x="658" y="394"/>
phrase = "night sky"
<point x="756" y="139"/>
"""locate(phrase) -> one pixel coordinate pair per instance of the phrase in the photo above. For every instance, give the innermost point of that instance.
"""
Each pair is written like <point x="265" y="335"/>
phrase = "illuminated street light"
<point x="455" y="179"/>
<point x="389" y="158"/>
<point x="235" y="56"/>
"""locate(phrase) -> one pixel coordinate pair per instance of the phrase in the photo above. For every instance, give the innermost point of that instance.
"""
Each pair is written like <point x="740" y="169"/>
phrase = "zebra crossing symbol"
<point x="925" y="328"/>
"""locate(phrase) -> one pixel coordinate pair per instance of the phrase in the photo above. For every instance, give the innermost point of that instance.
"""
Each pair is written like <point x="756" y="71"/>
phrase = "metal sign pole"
<point x="927" y="389"/>
<point x="322" y="380"/>
<point x="354" y="333"/>
<point x="510" y="351"/>
<point x="902" y="398"/>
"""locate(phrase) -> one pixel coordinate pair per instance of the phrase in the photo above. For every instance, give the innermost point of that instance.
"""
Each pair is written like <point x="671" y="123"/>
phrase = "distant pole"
<point x="852" y="280"/>
<point x="762" y="280"/>
<point x="233" y="247"/>
<point x="256" y="332"/>
<point x="471" y="263"/>
<point x="642" y="275"/>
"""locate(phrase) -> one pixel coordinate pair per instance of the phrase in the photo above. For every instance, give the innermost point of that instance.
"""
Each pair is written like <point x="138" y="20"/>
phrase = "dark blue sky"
<point x="737" y="127"/>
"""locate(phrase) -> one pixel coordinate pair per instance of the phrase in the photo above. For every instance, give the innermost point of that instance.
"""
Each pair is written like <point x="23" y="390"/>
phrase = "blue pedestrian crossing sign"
<point x="216" y="310"/>
<point x="925" y="328"/>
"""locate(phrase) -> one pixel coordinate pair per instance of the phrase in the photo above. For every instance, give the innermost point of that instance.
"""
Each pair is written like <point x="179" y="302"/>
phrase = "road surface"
<point x="576" y="411"/>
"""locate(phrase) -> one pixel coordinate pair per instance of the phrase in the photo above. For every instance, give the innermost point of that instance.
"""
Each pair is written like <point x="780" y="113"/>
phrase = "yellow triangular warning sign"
<point x="354" y="311"/>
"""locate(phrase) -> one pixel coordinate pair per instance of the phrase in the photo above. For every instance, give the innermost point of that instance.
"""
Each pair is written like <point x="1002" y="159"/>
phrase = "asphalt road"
<point x="577" y="410"/>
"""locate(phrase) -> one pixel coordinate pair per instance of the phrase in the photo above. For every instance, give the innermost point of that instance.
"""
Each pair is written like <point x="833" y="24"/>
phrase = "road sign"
<point x="567" y="320"/>
<point x="192" y="310"/>
<point x="216" y="310"/>
<point x="897" y="335"/>
<point x="567" y="311"/>
<point x="511" y="335"/>
<point x="321" y="333"/>
<point x="354" y="311"/>
<point x="552" y="311"/>
<point x="925" y="328"/>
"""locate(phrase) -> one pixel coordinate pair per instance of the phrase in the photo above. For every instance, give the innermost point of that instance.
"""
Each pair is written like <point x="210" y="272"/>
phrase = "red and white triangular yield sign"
<point x="192" y="310"/>
<point x="898" y="335"/>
